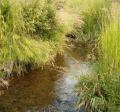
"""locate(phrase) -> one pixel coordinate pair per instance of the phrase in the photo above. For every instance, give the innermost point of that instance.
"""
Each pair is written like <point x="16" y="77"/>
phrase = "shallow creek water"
<point x="47" y="90"/>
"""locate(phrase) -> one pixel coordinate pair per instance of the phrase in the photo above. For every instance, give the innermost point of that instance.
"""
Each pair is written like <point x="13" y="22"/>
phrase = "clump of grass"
<point x="90" y="16"/>
<point x="91" y="94"/>
<point x="95" y="15"/>
<point x="30" y="32"/>
<point x="99" y="92"/>
<point x="40" y="19"/>
<point x="110" y="42"/>
<point x="66" y="17"/>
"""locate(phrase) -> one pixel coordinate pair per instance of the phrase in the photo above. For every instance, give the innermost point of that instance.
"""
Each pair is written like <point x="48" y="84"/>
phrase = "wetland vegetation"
<point x="33" y="35"/>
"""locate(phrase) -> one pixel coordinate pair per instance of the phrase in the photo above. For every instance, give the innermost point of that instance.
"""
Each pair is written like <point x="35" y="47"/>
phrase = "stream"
<point x="49" y="89"/>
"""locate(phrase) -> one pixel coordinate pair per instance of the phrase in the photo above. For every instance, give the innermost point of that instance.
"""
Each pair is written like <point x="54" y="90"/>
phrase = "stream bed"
<point x="49" y="89"/>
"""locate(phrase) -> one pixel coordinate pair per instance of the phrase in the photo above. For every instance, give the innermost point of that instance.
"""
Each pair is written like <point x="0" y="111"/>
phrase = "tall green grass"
<point x="95" y="16"/>
<point x="30" y="32"/>
<point x="90" y="16"/>
<point x="110" y="41"/>
<point x="100" y="91"/>
<point x="110" y="45"/>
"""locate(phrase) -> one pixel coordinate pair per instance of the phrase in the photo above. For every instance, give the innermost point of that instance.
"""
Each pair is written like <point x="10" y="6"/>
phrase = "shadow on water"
<point x="40" y="87"/>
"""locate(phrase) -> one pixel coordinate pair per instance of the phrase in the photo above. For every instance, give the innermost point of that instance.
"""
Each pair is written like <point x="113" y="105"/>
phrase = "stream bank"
<point x="49" y="89"/>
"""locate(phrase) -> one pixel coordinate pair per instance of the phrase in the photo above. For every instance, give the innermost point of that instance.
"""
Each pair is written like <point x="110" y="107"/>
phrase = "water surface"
<point x="39" y="88"/>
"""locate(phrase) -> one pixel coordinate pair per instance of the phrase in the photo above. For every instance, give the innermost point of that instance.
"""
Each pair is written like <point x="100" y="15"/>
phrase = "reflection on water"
<point x="36" y="88"/>
<point x="41" y="87"/>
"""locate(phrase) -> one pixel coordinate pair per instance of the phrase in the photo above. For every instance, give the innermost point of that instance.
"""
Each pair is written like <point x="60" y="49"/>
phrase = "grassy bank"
<point x="30" y="33"/>
<point x="100" y="91"/>
<point x="89" y="17"/>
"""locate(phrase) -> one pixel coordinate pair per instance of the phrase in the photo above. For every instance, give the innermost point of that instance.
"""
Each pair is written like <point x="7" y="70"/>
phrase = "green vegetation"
<point x="94" y="16"/>
<point x="30" y="33"/>
<point x="91" y="15"/>
<point x="100" y="90"/>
